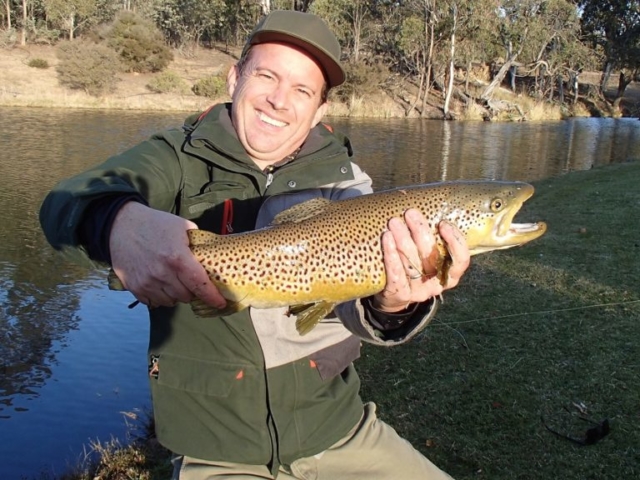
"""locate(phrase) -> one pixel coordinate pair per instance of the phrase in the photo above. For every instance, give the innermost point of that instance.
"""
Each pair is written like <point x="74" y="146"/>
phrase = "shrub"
<point x="87" y="66"/>
<point x="167" y="82"/>
<point x="38" y="63"/>
<point x="213" y="86"/>
<point x="362" y="79"/>
<point x="139" y="43"/>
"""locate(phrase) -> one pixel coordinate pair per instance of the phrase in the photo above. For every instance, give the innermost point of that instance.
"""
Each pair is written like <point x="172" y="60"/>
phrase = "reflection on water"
<point x="72" y="356"/>
<point x="400" y="152"/>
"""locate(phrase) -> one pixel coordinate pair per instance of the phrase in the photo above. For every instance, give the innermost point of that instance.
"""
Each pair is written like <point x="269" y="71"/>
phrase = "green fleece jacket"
<point x="246" y="387"/>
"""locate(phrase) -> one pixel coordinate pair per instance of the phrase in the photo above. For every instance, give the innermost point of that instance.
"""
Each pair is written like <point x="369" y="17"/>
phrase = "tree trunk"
<point x="623" y="83"/>
<point x="606" y="74"/>
<point x="357" y="30"/>
<point x="560" y="89"/>
<point x="23" y="33"/>
<point x="512" y="78"/>
<point x="427" y="82"/>
<point x="8" y="5"/>
<point x="420" y="67"/>
<point x="449" y="88"/>
<point x="72" y="25"/>
<point x="497" y="80"/>
<point x="466" y="79"/>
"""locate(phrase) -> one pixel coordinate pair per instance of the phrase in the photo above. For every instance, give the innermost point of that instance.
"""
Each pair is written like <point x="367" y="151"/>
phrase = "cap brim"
<point x="333" y="70"/>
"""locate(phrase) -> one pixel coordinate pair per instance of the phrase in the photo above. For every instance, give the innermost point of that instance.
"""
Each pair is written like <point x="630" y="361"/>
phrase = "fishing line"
<point x="540" y="312"/>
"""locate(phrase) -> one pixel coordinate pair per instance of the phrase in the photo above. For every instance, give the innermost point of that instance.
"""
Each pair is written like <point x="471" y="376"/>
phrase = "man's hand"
<point x="150" y="254"/>
<point x="409" y="251"/>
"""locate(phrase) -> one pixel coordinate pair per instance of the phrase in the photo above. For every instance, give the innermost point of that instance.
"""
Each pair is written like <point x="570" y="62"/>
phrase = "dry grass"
<point x="23" y="86"/>
<point x="142" y="458"/>
<point x="371" y="106"/>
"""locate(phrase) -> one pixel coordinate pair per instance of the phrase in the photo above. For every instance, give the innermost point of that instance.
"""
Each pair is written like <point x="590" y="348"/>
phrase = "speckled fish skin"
<point x="330" y="251"/>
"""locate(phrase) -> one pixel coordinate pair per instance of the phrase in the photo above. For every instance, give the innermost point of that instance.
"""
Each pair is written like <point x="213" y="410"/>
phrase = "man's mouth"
<point x="271" y="121"/>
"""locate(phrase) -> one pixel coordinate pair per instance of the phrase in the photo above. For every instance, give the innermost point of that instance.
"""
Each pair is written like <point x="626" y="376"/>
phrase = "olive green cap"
<point x="306" y="31"/>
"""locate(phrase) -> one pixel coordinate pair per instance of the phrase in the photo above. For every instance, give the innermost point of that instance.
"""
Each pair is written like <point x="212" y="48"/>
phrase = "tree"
<point x="614" y="27"/>
<point x="348" y="19"/>
<point x="7" y="4"/>
<point x="70" y="14"/>
<point x="184" y="22"/>
<point x="417" y="42"/>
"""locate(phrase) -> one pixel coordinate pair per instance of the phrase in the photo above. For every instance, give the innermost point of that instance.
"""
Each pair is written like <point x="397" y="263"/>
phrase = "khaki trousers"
<point x="371" y="451"/>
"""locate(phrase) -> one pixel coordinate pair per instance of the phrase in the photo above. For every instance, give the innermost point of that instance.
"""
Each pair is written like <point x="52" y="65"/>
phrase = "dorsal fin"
<point x="301" y="211"/>
<point x="201" y="237"/>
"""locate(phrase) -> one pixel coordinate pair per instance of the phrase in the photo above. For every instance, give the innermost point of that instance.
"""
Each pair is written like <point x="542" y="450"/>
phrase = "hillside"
<point x="21" y="85"/>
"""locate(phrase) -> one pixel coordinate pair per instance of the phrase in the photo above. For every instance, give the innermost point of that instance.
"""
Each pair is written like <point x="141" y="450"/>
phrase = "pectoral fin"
<point x="443" y="263"/>
<point x="308" y="316"/>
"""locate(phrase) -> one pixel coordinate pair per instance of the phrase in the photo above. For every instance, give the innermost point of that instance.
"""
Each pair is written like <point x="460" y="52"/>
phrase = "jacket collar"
<point x="215" y="129"/>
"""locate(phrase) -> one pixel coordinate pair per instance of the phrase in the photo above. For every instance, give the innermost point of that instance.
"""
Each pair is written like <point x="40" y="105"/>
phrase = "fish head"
<point x="484" y="212"/>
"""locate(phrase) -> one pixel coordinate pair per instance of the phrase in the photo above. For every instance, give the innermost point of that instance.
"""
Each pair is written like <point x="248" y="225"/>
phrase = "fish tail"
<point x="114" y="282"/>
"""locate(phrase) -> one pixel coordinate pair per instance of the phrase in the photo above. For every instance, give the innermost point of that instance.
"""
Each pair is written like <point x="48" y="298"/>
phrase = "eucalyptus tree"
<point x="7" y="13"/>
<point x="464" y="28"/>
<point x="184" y="22"/>
<point x="70" y="15"/>
<point x="554" y="51"/>
<point x="349" y="21"/>
<point x="416" y="43"/>
<point x="528" y="31"/>
<point x="613" y="27"/>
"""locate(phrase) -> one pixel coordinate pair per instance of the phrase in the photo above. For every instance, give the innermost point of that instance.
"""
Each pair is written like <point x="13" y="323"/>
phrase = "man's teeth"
<point x="271" y="121"/>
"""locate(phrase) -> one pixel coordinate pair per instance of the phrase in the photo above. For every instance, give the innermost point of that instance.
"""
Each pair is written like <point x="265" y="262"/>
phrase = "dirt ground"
<point x="21" y="85"/>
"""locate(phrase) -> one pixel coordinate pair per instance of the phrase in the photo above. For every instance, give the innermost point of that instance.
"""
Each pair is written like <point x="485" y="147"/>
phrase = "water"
<point x="72" y="355"/>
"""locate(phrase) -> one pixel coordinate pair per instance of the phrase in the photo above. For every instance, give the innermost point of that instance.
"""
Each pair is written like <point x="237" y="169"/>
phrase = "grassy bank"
<point x="551" y="330"/>
<point x="548" y="331"/>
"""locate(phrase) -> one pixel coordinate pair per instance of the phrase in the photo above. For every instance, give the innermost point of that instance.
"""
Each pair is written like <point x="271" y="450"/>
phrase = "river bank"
<point x="25" y="86"/>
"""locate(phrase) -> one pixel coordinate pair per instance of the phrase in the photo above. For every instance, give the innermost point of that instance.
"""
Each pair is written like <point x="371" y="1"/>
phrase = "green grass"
<point x="548" y="330"/>
<point x="532" y="332"/>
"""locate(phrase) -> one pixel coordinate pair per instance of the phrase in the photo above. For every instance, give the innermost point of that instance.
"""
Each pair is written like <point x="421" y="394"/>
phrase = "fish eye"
<point x="496" y="204"/>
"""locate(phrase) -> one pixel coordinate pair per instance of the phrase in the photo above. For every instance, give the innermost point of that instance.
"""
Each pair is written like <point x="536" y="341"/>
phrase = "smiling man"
<point x="243" y="395"/>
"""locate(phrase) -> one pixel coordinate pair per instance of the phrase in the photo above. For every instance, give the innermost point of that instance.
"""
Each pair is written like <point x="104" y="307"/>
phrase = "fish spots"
<point x="338" y="252"/>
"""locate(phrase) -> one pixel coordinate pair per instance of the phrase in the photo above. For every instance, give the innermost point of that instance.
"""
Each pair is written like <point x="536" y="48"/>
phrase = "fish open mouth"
<point x="508" y="234"/>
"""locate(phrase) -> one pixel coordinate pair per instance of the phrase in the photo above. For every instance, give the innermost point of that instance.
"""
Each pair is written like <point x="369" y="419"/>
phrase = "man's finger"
<point x="196" y="280"/>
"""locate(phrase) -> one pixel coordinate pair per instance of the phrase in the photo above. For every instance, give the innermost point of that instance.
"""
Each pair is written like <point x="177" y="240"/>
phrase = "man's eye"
<point x="266" y="76"/>
<point x="305" y="93"/>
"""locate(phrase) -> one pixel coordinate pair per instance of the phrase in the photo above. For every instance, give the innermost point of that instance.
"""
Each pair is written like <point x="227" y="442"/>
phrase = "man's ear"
<point x="322" y="109"/>
<point x="232" y="79"/>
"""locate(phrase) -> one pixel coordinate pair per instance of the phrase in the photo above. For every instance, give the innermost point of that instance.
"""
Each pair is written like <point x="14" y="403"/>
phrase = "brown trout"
<point x="320" y="253"/>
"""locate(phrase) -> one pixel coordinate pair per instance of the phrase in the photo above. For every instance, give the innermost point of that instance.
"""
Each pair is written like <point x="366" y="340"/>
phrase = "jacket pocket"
<point x="202" y="377"/>
<point x="208" y="409"/>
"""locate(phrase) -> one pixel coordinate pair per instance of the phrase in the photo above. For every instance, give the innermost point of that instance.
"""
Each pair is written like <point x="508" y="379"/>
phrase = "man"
<point x="245" y="396"/>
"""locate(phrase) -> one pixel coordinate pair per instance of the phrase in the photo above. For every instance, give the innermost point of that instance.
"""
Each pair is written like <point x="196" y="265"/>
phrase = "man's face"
<point x="277" y="99"/>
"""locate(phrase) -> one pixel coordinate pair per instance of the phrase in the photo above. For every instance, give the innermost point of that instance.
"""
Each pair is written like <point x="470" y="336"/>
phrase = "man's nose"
<point x="279" y="97"/>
